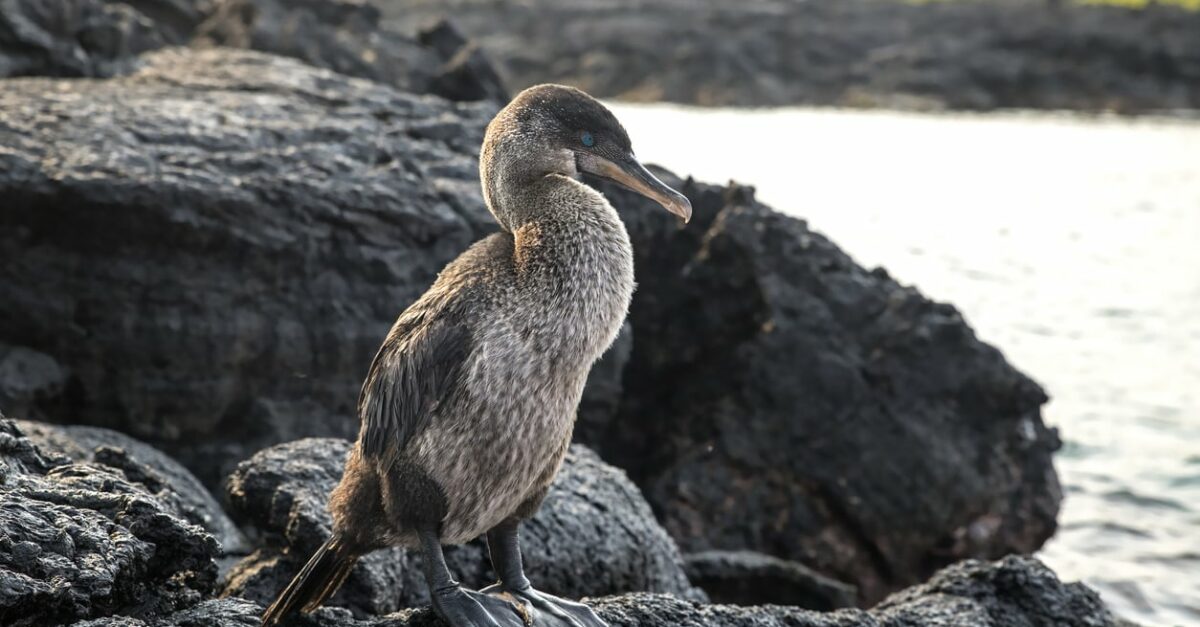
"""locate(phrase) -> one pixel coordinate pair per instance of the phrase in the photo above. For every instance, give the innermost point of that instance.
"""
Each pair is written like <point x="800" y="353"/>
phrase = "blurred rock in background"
<point x="102" y="38"/>
<point x="967" y="54"/>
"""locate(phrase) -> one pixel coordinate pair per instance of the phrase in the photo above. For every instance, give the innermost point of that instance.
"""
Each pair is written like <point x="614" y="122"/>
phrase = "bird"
<point x="468" y="407"/>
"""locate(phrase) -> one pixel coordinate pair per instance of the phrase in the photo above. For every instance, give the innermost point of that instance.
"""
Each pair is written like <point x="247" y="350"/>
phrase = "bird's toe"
<point x="464" y="608"/>
<point x="569" y="613"/>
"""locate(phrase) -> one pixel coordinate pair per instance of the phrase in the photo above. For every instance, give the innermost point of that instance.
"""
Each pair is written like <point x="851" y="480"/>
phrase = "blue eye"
<point x="587" y="139"/>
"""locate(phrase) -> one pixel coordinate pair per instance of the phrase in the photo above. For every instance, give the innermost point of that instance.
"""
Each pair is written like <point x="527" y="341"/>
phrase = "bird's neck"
<point x="568" y="224"/>
<point x="576" y="261"/>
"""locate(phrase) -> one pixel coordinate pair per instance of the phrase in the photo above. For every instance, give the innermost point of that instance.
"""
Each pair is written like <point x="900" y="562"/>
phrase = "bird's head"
<point x="558" y="130"/>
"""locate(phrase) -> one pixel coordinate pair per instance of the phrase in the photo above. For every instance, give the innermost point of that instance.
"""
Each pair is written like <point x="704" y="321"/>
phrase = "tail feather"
<point x="316" y="582"/>
<point x="335" y="582"/>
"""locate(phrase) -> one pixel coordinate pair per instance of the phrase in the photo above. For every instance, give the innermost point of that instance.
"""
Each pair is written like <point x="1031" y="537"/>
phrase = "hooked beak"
<point x="632" y="175"/>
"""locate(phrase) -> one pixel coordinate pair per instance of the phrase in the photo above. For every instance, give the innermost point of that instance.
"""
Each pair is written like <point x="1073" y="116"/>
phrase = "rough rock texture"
<point x="214" y="246"/>
<point x="605" y="387"/>
<point x="145" y="465"/>
<point x="594" y="535"/>
<point x="981" y="54"/>
<point x="874" y="436"/>
<point x="281" y="493"/>
<point x="1015" y="590"/>
<point x="749" y="578"/>
<point x="89" y="37"/>
<point x="105" y="37"/>
<point x="345" y="36"/>
<point x="466" y="74"/>
<point x="81" y="540"/>
<point x="1018" y="592"/>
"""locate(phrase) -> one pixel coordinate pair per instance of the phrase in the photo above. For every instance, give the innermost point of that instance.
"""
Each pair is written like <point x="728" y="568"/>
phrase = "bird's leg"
<point x="504" y="545"/>
<point x="457" y="606"/>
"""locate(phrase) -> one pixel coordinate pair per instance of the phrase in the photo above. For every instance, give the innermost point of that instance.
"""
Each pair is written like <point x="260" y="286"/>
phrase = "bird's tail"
<point x="317" y="581"/>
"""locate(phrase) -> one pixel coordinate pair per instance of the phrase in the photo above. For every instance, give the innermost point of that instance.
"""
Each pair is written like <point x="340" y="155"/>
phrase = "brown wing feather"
<point x="419" y="363"/>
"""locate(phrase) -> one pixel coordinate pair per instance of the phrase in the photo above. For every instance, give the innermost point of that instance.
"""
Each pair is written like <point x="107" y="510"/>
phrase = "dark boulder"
<point x="749" y="578"/>
<point x="89" y="37"/>
<point x="281" y="493"/>
<point x="604" y="389"/>
<point x="82" y="540"/>
<point x="346" y="36"/>
<point x="221" y="288"/>
<point x="174" y="485"/>
<point x="873" y="436"/>
<point x="466" y="73"/>
<point x="594" y="535"/>
<point x="984" y="54"/>
<point x="1018" y="592"/>
<point x="101" y="38"/>
<point x="1014" y="591"/>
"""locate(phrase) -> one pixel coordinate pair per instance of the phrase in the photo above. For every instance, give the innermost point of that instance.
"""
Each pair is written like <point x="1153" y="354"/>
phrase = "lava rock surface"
<point x="145" y="465"/>
<point x="144" y="215"/>
<point x="749" y="578"/>
<point x="979" y="55"/>
<point x="877" y="435"/>
<point x="79" y="540"/>
<point x="594" y="535"/>
<point x="102" y="38"/>
<point x="973" y="593"/>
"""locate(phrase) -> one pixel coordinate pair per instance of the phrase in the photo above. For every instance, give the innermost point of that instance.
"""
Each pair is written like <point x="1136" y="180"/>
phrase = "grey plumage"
<point x="468" y="407"/>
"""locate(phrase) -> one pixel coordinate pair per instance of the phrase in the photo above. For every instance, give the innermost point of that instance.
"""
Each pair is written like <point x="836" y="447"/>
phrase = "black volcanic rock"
<point x="749" y="578"/>
<point x="101" y="38"/>
<point x="791" y="402"/>
<point x="81" y="540"/>
<point x="89" y="37"/>
<point x="214" y="247"/>
<point x="594" y="535"/>
<point x="281" y="493"/>
<point x="467" y="73"/>
<point x="983" y="54"/>
<point x="346" y="36"/>
<point x="145" y="465"/>
<point x="1017" y="592"/>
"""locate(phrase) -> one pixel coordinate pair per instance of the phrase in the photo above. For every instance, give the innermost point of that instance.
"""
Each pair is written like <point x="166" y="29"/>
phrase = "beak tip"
<point x="684" y="207"/>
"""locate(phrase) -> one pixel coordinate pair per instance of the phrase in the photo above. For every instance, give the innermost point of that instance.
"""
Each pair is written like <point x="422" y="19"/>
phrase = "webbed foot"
<point x="466" y="608"/>
<point x="570" y="613"/>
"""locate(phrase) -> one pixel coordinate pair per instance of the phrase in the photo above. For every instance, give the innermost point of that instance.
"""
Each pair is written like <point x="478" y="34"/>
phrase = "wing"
<point x="419" y="363"/>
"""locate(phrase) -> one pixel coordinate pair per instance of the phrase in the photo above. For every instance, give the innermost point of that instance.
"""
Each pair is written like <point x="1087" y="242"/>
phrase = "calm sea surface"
<point x="1073" y="244"/>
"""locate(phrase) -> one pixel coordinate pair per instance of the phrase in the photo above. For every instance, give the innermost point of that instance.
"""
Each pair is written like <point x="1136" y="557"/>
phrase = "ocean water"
<point x="1072" y="244"/>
